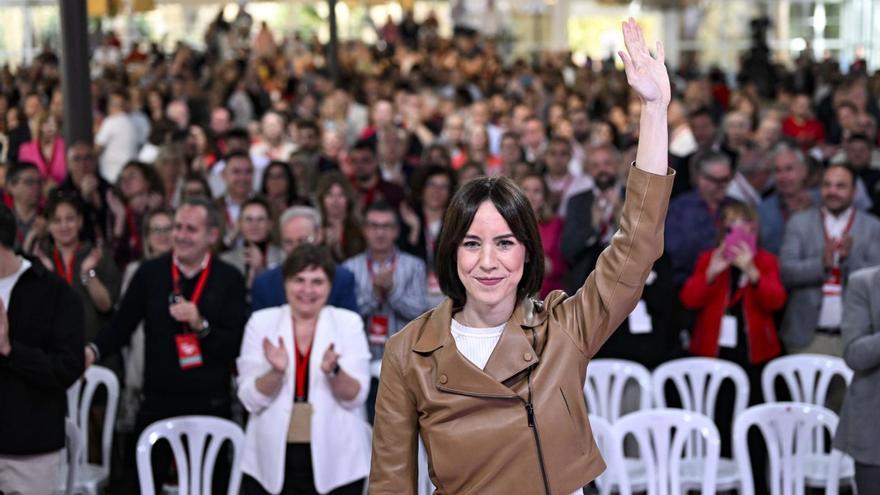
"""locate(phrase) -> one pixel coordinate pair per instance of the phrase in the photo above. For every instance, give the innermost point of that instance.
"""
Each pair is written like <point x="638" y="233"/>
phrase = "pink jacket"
<point x="53" y="167"/>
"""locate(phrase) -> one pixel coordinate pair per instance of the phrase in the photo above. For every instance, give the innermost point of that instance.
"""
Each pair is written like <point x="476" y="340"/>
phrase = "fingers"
<point x="661" y="53"/>
<point x="627" y="63"/>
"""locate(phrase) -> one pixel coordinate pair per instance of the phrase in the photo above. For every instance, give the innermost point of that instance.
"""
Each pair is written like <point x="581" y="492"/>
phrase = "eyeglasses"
<point x="381" y="226"/>
<point x="248" y="219"/>
<point x="718" y="181"/>
<point x="30" y="181"/>
<point x="162" y="229"/>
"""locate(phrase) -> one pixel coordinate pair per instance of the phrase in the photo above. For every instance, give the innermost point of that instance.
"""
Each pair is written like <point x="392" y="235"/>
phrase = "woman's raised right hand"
<point x="276" y="355"/>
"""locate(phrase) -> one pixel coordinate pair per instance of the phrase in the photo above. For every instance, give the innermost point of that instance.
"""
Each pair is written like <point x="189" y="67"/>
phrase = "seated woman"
<point x="550" y="227"/>
<point x="314" y="357"/>
<point x="258" y="252"/>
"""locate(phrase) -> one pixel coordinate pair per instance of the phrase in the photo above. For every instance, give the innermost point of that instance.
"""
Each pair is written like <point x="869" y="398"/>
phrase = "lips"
<point x="489" y="282"/>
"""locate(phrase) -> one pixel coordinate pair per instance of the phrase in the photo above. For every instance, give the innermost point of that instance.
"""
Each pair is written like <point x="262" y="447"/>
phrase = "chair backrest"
<point x="807" y="376"/>
<point x="194" y="458"/>
<point x="603" y="434"/>
<point x="662" y="436"/>
<point x="787" y="428"/>
<point x="72" y="454"/>
<point x="80" y="396"/>
<point x="606" y="380"/>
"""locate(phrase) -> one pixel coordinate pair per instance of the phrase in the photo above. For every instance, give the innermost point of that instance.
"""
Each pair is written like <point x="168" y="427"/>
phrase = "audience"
<point x="378" y="152"/>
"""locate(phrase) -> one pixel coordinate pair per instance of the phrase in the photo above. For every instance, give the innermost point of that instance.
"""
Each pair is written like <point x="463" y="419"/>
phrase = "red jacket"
<point x="760" y="301"/>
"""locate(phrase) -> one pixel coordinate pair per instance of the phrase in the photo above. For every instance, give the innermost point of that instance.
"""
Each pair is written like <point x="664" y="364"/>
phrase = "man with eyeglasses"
<point x="23" y="182"/>
<point x="84" y="183"/>
<point x="692" y="222"/>
<point x="391" y="289"/>
<point x="298" y="225"/>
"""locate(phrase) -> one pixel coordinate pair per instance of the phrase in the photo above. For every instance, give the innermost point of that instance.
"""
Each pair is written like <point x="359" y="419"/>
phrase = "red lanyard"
<point x="849" y="224"/>
<point x="134" y="234"/>
<point x="200" y="284"/>
<point x="302" y="368"/>
<point x="59" y="264"/>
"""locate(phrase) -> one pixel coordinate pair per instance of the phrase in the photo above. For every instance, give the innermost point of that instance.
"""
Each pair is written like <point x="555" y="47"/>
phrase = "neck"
<point x="191" y="265"/>
<point x="67" y="249"/>
<point x="557" y="174"/>
<point x="479" y="315"/>
<point x="9" y="262"/>
<point x="24" y="210"/>
<point x="304" y="323"/>
<point x="381" y="255"/>
<point x="839" y="211"/>
<point x="792" y="199"/>
<point x="236" y="198"/>
<point x="368" y="182"/>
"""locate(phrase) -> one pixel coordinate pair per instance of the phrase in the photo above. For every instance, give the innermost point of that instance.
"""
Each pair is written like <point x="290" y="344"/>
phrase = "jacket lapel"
<point x="455" y="373"/>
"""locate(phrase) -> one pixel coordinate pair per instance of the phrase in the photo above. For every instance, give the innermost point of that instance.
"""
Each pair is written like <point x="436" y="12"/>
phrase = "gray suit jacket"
<point x="802" y="270"/>
<point x="857" y="433"/>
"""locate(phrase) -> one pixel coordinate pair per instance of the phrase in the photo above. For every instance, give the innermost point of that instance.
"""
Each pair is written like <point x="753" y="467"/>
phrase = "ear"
<point x="213" y="235"/>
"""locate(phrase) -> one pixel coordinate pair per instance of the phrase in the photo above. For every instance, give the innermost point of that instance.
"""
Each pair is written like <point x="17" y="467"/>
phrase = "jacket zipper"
<point x="530" y="414"/>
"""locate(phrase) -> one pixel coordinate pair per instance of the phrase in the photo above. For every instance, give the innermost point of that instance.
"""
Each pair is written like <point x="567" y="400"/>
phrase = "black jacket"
<point x="147" y="299"/>
<point x="47" y="337"/>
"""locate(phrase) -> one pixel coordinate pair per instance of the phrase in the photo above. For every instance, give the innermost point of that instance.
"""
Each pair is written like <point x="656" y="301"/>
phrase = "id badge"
<point x="300" y="428"/>
<point x="378" y="330"/>
<point x="727" y="338"/>
<point x="189" y="352"/>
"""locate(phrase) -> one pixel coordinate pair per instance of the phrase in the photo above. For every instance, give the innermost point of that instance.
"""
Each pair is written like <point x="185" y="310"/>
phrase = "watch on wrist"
<point x="85" y="277"/>
<point x="334" y="371"/>
<point x="206" y="329"/>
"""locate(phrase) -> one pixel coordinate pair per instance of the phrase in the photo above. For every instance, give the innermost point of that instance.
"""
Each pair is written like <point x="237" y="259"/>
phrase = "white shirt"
<point x="8" y="282"/>
<point x="476" y="344"/>
<point x="119" y="138"/>
<point x="835" y="226"/>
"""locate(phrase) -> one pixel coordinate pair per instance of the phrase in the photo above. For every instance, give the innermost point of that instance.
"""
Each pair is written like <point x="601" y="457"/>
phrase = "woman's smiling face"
<point x="490" y="259"/>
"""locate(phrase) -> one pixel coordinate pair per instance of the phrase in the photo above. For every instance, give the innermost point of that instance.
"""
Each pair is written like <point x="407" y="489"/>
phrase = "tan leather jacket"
<point x="520" y="425"/>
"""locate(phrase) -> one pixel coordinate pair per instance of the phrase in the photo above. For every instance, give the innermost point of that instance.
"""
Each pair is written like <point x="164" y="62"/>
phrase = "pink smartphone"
<point x="736" y="235"/>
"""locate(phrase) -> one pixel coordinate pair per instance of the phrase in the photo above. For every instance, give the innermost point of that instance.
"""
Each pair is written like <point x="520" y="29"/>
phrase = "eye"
<point x="506" y="243"/>
<point x="470" y="244"/>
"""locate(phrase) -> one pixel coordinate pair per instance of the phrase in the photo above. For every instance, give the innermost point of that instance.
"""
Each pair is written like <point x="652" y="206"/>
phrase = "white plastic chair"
<point x="606" y="380"/>
<point x="91" y="477"/>
<point x="697" y="381"/>
<point x="787" y="428"/>
<point x="807" y="376"/>
<point x="633" y="469"/>
<point x="662" y="436"/>
<point x="196" y="458"/>
<point x="71" y="454"/>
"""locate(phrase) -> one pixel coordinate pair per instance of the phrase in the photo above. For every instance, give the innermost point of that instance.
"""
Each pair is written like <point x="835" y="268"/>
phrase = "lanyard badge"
<point x="189" y="351"/>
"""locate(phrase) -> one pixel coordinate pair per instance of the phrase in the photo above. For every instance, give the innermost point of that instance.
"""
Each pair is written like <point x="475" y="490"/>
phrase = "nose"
<point x="487" y="258"/>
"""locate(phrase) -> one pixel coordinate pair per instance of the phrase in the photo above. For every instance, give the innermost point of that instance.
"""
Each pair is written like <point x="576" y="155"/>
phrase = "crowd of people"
<point x="239" y="193"/>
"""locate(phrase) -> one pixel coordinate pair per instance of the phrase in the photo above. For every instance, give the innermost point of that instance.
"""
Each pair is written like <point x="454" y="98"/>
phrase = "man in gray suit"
<point x="857" y="433"/>
<point x="820" y="248"/>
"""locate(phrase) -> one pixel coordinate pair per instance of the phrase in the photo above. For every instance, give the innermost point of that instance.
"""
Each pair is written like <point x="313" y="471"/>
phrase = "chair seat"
<point x="816" y="467"/>
<point x="692" y="474"/>
<point x="89" y="478"/>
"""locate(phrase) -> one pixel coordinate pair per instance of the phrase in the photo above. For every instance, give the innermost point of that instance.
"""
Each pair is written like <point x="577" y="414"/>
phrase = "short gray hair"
<point x="214" y="217"/>
<point x="787" y="147"/>
<point x="301" y="212"/>
<point x="703" y="159"/>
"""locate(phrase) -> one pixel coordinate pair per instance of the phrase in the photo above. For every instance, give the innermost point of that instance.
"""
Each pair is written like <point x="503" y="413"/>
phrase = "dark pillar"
<point x="333" y="46"/>
<point x="75" y="71"/>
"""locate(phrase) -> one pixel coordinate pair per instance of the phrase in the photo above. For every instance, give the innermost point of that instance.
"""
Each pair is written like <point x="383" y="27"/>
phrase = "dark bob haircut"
<point x="308" y="255"/>
<point x="513" y="206"/>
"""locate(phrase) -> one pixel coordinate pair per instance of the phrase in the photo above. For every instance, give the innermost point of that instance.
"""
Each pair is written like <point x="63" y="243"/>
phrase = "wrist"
<point x="5" y="349"/>
<point x="654" y="109"/>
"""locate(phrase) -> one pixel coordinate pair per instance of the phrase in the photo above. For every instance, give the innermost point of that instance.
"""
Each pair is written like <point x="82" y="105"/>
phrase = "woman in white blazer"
<point x="304" y="377"/>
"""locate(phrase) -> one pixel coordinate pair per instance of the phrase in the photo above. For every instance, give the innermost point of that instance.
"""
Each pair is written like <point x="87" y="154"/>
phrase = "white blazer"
<point x="340" y="433"/>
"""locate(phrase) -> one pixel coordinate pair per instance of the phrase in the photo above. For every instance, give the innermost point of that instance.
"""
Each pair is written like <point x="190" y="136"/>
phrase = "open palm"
<point x="276" y="355"/>
<point x="645" y="73"/>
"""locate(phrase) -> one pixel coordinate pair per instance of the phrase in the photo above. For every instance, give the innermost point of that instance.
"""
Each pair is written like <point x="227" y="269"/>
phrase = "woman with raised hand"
<point x="491" y="379"/>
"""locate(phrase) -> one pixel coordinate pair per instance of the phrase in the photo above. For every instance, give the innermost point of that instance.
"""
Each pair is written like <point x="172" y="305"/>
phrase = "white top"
<point x="476" y="344"/>
<point x="8" y="282"/>
<point x="119" y="138"/>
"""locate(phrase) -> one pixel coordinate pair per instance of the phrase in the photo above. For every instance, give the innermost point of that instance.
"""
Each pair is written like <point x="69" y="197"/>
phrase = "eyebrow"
<point x="496" y="238"/>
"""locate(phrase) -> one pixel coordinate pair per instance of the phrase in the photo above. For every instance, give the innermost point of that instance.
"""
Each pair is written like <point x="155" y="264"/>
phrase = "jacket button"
<point x="443" y="379"/>
<point x="527" y="356"/>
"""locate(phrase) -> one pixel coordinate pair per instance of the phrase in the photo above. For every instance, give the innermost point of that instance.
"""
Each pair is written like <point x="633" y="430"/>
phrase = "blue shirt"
<point x="268" y="290"/>
<point x="690" y="230"/>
